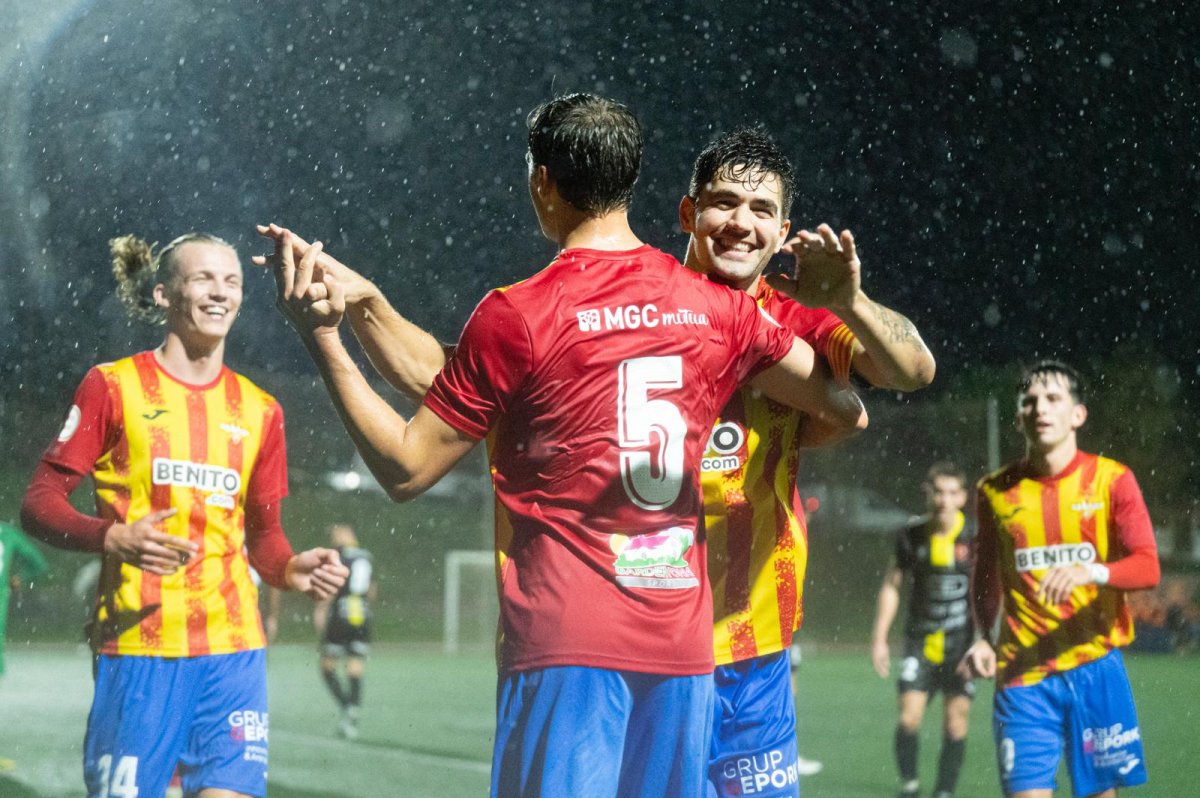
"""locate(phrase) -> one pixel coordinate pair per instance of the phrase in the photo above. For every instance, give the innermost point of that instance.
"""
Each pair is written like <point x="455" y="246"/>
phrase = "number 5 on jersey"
<point x="651" y="432"/>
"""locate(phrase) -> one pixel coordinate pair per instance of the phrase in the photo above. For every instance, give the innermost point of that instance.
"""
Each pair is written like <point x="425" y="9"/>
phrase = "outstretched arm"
<point x="406" y="356"/>
<point x="828" y="274"/>
<point x="405" y="457"/>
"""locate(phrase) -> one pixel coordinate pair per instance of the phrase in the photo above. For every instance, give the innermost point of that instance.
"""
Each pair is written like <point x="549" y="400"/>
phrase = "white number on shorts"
<point x="123" y="782"/>
<point x="909" y="668"/>
<point x="653" y="478"/>
<point x="1008" y="755"/>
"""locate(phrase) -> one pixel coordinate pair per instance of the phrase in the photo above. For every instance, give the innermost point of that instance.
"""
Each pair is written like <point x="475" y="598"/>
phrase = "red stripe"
<point x="193" y="576"/>
<point x="235" y="455"/>
<point x="1087" y="491"/>
<point x="1050" y="514"/>
<point x="160" y="499"/>
<point x="786" y="589"/>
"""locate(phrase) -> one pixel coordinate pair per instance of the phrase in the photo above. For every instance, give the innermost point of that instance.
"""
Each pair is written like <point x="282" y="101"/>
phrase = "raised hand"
<point x="827" y="273"/>
<point x="143" y="545"/>
<point x="308" y="297"/>
<point x="357" y="287"/>
<point x="318" y="572"/>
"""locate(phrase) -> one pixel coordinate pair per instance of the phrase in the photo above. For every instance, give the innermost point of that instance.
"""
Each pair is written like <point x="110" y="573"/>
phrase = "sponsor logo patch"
<point x="1039" y="558"/>
<point x="70" y="425"/>
<point x="751" y="775"/>
<point x="655" y="560"/>
<point x="634" y="317"/>
<point x="186" y="474"/>
<point x="248" y="725"/>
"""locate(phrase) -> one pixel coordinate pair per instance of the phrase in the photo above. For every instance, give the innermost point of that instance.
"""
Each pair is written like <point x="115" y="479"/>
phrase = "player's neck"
<point x="943" y="524"/>
<point x="194" y="363"/>
<point x="609" y="233"/>
<point x="1053" y="461"/>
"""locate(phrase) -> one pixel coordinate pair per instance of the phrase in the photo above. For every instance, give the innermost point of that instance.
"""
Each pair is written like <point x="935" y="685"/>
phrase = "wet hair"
<point x="945" y="469"/>
<point x="744" y="155"/>
<point x="1044" y="368"/>
<point x="136" y="267"/>
<point x="591" y="146"/>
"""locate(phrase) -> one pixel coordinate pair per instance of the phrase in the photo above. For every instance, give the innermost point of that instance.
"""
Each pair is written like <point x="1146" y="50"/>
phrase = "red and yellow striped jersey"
<point x="757" y="538"/>
<point x="1091" y="512"/>
<point x="153" y="443"/>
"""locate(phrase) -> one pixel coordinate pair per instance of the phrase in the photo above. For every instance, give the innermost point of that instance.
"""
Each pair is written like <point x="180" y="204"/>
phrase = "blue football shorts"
<point x="206" y="714"/>
<point x="754" y="729"/>
<point x="1087" y="712"/>
<point x="598" y="733"/>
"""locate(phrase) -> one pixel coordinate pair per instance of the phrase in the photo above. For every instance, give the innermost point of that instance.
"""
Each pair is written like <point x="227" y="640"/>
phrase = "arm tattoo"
<point x="899" y="329"/>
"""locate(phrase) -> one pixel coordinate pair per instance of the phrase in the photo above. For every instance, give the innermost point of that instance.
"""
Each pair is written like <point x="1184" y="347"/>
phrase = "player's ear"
<point x="687" y="215"/>
<point x="1078" y="416"/>
<point x="160" y="295"/>
<point x="784" y="229"/>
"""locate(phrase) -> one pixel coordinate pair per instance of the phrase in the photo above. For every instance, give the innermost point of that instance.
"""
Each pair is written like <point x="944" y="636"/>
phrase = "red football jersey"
<point x="600" y="378"/>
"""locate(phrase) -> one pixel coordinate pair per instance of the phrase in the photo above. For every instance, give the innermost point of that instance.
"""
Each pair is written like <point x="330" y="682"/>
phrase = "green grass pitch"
<point x="428" y="718"/>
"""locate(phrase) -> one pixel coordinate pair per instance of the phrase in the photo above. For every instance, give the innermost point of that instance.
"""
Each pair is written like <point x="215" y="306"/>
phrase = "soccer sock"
<point x="355" y="690"/>
<point x="335" y="686"/>
<point x="906" y="754"/>
<point x="949" y="763"/>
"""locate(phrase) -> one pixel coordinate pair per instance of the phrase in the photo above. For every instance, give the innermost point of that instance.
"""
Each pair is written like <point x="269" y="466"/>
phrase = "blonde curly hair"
<point x="136" y="267"/>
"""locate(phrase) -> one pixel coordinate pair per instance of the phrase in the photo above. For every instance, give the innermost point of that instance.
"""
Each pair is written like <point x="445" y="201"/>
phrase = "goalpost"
<point x="471" y="611"/>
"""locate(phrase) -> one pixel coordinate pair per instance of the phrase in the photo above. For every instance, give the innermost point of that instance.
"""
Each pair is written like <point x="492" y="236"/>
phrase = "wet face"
<point x="1047" y="414"/>
<point x="946" y="496"/>
<point x="736" y="227"/>
<point x="204" y="293"/>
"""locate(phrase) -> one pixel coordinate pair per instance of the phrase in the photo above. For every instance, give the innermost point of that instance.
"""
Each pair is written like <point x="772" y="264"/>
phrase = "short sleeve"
<point x="485" y="374"/>
<point x="268" y="478"/>
<point x="762" y="341"/>
<point x="90" y="428"/>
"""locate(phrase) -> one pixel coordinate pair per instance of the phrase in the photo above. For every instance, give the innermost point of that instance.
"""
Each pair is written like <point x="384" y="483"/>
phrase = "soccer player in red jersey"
<point x="737" y="214"/>
<point x="596" y="382"/>
<point x="935" y="550"/>
<point x="1063" y="535"/>
<point x="189" y="466"/>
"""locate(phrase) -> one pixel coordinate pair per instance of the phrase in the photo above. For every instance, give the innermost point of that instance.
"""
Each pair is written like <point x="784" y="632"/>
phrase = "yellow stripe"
<point x="941" y="544"/>
<point x="935" y="647"/>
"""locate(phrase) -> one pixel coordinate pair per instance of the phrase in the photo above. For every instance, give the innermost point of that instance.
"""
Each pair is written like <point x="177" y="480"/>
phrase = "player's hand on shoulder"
<point x="144" y="545"/>
<point x="881" y="658"/>
<point x="980" y="660"/>
<point x="318" y="572"/>
<point x="827" y="273"/>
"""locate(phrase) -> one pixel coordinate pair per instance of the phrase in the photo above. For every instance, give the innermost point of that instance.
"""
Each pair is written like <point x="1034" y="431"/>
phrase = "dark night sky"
<point x="1021" y="182"/>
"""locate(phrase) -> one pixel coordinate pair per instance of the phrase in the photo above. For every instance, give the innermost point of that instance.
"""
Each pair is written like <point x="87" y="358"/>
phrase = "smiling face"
<point x="736" y="226"/>
<point x="1048" y="414"/>
<point x="203" y="292"/>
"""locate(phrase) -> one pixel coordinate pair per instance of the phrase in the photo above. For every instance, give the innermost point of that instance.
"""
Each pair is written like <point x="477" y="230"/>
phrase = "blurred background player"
<point x="344" y="624"/>
<point x="605" y="611"/>
<point x="1063" y="535"/>
<point x="736" y="213"/>
<point x="20" y="564"/>
<point x="190" y="467"/>
<point x="936" y="553"/>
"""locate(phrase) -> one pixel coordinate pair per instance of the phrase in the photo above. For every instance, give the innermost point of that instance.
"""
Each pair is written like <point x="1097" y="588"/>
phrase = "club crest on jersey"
<point x="1087" y="508"/>
<point x="655" y="560"/>
<point x="633" y="317"/>
<point x="185" y="474"/>
<point x="1037" y="558"/>
<point x="235" y="432"/>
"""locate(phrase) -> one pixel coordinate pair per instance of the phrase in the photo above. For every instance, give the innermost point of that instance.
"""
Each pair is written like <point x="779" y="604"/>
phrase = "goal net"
<point x="471" y="608"/>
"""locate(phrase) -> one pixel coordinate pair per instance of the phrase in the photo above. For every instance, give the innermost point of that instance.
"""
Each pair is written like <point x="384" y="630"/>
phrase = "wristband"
<point x="1097" y="573"/>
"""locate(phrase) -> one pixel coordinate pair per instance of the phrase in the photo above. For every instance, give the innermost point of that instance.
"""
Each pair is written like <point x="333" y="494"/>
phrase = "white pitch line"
<point x="470" y="765"/>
